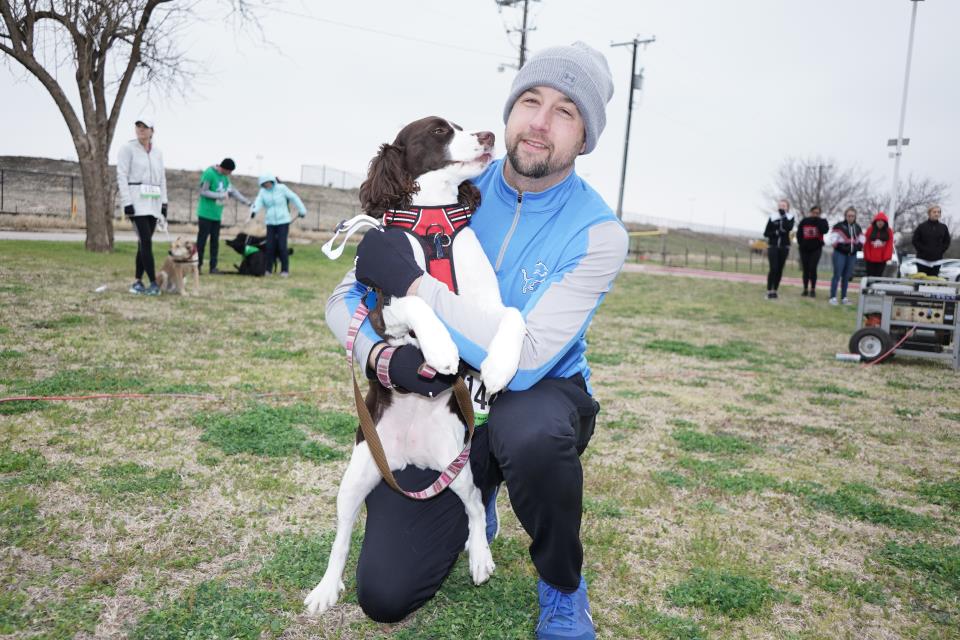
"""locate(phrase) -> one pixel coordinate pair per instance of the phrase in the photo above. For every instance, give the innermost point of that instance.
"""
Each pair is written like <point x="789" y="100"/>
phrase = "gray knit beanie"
<point x="578" y="71"/>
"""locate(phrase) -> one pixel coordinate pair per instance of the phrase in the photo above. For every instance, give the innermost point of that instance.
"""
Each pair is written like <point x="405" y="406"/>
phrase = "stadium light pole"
<point x="900" y="142"/>
<point x="636" y="82"/>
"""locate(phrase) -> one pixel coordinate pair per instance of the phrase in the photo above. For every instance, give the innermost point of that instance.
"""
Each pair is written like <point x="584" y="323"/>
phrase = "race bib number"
<point x="478" y="394"/>
<point x="149" y="191"/>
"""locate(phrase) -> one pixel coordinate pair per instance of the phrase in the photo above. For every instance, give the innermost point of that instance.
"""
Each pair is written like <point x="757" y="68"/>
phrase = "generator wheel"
<point x="870" y="343"/>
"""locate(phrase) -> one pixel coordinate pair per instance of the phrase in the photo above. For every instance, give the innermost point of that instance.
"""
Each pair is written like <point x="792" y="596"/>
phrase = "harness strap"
<point x="348" y="228"/>
<point x="434" y="228"/>
<point x="368" y="430"/>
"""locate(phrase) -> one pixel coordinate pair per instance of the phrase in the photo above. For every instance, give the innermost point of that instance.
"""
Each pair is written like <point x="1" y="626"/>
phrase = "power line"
<point x="388" y="34"/>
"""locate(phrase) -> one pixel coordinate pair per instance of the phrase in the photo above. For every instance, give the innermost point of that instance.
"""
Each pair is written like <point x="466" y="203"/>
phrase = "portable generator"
<point x="910" y="317"/>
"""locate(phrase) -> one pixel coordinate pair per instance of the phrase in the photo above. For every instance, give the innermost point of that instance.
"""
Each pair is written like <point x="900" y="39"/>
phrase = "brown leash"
<point x="369" y="430"/>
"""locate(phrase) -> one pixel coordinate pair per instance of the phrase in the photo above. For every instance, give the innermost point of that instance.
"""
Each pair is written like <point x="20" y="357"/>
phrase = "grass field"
<point x="741" y="482"/>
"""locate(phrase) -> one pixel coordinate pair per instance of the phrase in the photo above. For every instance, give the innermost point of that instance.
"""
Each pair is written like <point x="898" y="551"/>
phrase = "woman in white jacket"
<point x="142" y="185"/>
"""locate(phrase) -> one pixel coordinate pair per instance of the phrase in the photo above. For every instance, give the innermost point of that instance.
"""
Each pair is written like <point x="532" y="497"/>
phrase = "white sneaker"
<point x="846" y="301"/>
<point x="833" y="301"/>
<point x="284" y="274"/>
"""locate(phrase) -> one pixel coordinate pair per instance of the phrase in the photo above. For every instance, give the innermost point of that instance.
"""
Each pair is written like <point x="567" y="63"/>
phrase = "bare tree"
<point x="914" y="197"/>
<point x="818" y="181"/>
<point x="109" y="44"/>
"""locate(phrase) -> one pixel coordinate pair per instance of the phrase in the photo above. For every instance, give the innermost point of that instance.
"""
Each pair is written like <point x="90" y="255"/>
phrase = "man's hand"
<point x="128" y="210"/>
<point x="403" y="372"/>
<point x="385" y="261"/>
<point x="163" y="210"/>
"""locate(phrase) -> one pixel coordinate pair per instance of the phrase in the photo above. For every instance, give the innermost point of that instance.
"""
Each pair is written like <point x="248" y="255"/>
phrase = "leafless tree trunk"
<point x="913" y="199"/>
<point x="110" y="43"/>
<point x="818" y="181"/>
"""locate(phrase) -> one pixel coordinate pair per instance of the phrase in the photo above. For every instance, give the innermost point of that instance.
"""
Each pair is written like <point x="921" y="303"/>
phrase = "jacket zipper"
<point x="513" y="227"/>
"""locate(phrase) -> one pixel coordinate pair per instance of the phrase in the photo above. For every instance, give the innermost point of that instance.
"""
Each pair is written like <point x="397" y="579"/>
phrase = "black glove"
<point x="385" y="261"/>
<point x="163" y="210"/>
<point x="128" y="210"/>
<point x="404" y="367"/>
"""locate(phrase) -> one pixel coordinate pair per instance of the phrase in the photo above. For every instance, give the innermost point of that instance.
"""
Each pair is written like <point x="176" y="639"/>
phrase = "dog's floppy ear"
<point x="387" y="185"/>
<point x="468" y="195"/>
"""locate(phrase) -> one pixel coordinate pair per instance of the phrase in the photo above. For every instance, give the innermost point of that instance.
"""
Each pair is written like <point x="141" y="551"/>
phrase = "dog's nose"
<point x="486" y="138"/>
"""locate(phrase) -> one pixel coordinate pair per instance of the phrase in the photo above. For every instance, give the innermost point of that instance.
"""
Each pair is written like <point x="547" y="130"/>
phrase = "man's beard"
<point x="536" y="169"/>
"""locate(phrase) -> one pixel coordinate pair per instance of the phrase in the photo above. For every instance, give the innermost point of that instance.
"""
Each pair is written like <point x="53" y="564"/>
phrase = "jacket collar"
<point x="548" y="201"/>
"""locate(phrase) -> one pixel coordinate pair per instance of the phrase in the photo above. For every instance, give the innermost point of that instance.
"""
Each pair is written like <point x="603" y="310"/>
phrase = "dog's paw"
<point x="440" y="352"/>
<point x="496" y="373"/>
<point x="503" y="356"/>
<point x="481" y="563"/>
<point x="323" y="596"/>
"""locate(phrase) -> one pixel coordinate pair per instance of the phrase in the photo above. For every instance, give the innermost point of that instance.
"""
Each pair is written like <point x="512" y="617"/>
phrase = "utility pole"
<point x="900" y="142"/>
<point x="523" y="30"/>
<point x="636" y="83"/>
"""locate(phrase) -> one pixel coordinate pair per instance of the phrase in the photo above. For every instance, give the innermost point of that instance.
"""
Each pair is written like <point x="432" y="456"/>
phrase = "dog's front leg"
<point x="481" y="560"/>
<point x="411" y="314"/>
<point x="359" y="480"/>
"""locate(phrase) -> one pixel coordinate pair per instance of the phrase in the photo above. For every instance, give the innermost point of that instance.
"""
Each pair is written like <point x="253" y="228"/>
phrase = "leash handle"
<point x="368" y="429"/>
<point x="348" y="228"/>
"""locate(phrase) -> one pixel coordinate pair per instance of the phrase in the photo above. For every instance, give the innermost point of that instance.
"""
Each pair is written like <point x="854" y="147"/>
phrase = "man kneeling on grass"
<point x="556" y="248"/>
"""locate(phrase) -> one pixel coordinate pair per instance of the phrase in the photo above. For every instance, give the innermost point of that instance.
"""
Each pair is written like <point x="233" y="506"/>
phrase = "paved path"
<point x="632" y="267"/>
<point x="62" y="236"/>
<point x="728" y="276"/>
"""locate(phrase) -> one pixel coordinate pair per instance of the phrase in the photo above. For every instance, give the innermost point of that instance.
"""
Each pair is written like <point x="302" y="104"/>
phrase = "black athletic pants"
<point x="930" y="271"/>
<point x="875" y="269"/>
<point x="145" y="226"/>
<point x="778" y="258"/>
<point x="211" y="229"/>
<point x="809" y="260"/>
<point x="277" y="246"/>
<point x="532" y="441"/>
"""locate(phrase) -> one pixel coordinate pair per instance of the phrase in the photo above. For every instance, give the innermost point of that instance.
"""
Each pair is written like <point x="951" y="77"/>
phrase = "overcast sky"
<point x="731" y="88"/>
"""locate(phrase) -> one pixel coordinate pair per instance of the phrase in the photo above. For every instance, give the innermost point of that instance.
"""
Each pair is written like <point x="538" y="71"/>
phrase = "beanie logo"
<point x="532" y="281"/>
<point x="568" y="79"/>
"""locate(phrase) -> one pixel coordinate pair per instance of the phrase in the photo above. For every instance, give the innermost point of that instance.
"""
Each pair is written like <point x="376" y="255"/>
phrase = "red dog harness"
<point x="434" y="228"/>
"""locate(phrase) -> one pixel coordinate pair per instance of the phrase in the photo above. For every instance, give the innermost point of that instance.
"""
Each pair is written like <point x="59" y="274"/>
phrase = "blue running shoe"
<point x="152" y="290"/>
<point x="137" y="287"/>
<point x="493" y="517"/>
<point x="564" y="616"/>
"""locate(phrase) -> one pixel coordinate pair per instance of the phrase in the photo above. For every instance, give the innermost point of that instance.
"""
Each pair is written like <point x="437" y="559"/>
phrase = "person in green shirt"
<point x="215" y="188"/>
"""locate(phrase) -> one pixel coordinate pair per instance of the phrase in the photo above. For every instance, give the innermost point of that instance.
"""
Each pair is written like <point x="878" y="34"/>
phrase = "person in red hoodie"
<point x="878" y="247"/>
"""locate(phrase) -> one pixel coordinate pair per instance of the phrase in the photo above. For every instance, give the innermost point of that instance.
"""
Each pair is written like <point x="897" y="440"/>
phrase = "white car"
<point x="949" y="269"/>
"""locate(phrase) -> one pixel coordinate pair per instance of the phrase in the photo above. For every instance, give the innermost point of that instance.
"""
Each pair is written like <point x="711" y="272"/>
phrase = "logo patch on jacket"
<point x="533" y="280"/>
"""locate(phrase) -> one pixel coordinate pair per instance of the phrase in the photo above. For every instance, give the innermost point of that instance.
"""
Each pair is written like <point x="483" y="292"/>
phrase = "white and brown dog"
<point x="427" y="165"/>
<point x="181" y="261"/>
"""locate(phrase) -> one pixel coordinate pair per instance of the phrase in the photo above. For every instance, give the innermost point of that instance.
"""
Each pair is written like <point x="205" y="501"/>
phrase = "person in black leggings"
<point x="777" y="234"/>
<point x="810" y="234"/>
<point x="142" y="186"/>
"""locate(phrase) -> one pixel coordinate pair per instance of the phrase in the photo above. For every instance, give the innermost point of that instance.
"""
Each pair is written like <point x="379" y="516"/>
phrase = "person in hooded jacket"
<point x="810" y="233"/>
<point x="777" y="233"/>
<point x="878" y="245"/>
<point x="142" y="187"/>
<point x="931" y="240"/>
<point x="847" y="238"/>
<point x="275" y="198"/>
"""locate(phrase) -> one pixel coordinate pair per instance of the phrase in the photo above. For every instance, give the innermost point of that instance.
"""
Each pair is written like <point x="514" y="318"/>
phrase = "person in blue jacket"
<point x="556" y="247"/>
<point x="275" y="198"/>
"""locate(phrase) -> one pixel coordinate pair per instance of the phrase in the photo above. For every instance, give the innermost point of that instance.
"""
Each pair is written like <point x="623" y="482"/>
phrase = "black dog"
<point x="253" y="250"/>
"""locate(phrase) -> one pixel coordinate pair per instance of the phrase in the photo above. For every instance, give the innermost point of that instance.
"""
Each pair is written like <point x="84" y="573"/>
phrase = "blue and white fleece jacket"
<point x="556" y="254"/>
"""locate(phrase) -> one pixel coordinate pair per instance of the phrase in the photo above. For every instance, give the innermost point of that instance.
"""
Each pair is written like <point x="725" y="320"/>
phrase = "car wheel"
<point x="870" y="343"/>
